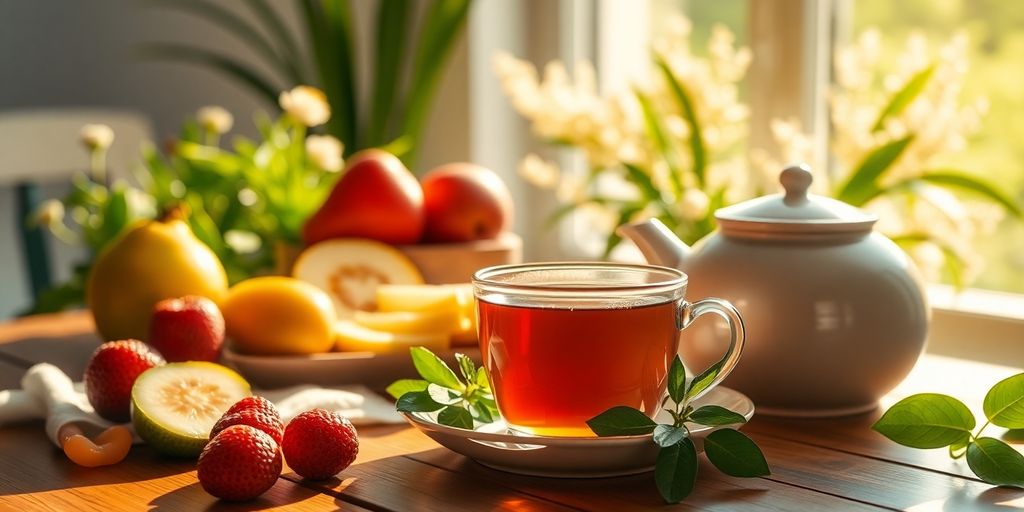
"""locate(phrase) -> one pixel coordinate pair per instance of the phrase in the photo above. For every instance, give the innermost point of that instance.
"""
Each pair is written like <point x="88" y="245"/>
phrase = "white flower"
<point x="694" y="204"/>
<point x="96" y="137"/>
<point x="243" y="242"/>
<point x="538" y="172"/>
<point x="325" y="152"/>
<point x="215" y="119"/>
<point x="49" y="213"/>
<point x="306" y="104"/>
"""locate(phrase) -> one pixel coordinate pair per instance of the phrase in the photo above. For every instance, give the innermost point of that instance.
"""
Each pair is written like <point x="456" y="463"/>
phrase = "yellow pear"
<point x="150" y="261"/>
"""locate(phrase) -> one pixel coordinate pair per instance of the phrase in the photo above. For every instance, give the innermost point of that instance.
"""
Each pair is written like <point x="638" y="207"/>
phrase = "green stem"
<point x="98" y="162"/>
<point x="212" y="138"/>
<point x="974" y="437"/>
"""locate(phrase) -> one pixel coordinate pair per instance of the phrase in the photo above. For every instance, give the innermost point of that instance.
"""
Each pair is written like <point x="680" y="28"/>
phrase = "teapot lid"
<point x="794" y="212"/>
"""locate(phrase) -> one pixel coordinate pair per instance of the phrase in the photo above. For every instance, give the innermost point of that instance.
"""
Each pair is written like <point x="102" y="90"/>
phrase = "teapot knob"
<point x="796" y="180"/>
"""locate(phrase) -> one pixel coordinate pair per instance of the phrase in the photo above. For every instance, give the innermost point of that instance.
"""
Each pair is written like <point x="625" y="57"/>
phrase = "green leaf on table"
<point x="677" y="380"/>
<point x="403" y="386"/>
<point x="675" y="471"/>
<point x="714" y="415"/>
<point x="959" y="448"/>
<point x="417" y="401"/>
<point x="1004" y="403"/>
<point x="455" y="416"/>
<point x="702" y="381"/>
<point x="926" y="420"/>
<point x="862" y="185"/>
<point x="621" y="421"/>
<point x="466" y="367"/>
<point x="668" y="435"/>
<point x="904" y="97"/>
<point x="735" y="454"/>
<point x="433" y="369"/>
<point x="996" y="462"/>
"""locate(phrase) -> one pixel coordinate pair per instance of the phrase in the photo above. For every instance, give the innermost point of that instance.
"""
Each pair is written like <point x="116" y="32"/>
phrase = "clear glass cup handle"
<point x="688" y="312"/>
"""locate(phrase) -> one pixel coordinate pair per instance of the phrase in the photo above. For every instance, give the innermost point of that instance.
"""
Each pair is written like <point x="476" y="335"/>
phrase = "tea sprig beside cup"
<point x="675" y="470"/>
<point x="460" y="401"/>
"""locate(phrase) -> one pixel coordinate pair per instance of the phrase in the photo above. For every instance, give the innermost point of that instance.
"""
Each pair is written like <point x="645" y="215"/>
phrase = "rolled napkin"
<point x="47" y="393"/>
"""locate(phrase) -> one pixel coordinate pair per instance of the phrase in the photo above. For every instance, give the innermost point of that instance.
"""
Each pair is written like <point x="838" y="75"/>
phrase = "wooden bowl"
<point x="456" y="263"/>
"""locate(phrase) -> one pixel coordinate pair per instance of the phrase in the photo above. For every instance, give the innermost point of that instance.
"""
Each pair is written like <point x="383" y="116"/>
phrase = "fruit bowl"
<point x="456" y="263"/>
<point x="332" y="368"/>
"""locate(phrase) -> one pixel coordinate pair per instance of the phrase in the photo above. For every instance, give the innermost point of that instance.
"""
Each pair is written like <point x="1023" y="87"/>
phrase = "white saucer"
<point x="493" y="445"/>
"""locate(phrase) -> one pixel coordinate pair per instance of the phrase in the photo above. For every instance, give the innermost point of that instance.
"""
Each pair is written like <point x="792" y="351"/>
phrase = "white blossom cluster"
<point x="940" y="124"/>
<point x="609" y="129"/>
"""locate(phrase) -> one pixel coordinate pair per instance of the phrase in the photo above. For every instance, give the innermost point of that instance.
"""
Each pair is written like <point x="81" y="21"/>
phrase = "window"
<point x="792" y="78"/>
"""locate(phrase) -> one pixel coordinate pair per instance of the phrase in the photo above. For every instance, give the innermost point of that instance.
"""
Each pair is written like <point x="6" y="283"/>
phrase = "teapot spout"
<point x="659" y="245"/>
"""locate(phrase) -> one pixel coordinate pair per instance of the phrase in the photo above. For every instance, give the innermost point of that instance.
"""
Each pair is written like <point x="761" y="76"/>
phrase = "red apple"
<point x="376" y="198"/>
<point x="465" y="202"/>
<point x="190" y="328"/>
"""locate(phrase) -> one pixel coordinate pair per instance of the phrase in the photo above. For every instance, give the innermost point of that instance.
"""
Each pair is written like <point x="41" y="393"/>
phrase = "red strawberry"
<point x="187" y="329"/>
<point x="269" y="423"/>
<point x="112" y="371"/>
<point x="318" y="444"/>
<point x="254" y="402"/>
<point x="240" y="463"/>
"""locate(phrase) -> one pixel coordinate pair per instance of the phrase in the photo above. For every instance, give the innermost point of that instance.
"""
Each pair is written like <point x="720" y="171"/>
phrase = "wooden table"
<point x="835" y="464"/>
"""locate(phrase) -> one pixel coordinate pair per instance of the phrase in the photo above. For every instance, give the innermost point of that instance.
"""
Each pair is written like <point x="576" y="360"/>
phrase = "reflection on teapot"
<point x="835" y="312"/>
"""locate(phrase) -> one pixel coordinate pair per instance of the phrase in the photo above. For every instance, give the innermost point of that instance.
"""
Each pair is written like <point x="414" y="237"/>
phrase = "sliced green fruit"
<point x="174" y="406"/>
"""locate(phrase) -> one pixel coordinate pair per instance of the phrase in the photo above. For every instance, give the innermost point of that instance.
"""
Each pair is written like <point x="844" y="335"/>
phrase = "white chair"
<point x="41" y="147"/>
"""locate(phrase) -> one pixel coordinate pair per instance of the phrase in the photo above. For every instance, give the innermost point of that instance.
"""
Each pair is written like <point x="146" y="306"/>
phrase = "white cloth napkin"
<point x="47" y="393"/>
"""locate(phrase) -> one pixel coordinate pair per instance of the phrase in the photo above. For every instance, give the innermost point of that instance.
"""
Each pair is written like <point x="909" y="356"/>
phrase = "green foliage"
<point x="462" y="402"/>
<point x="675" y="471"/>
<point x="403" y="84"/>
<point x="246" y="203"/>
<point x="932" y="420"/>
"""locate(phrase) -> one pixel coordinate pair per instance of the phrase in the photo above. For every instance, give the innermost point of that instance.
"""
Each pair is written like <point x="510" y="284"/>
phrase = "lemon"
<point x="150" y="261"/>
<point x="279" y="315"/>
<point x="174" y="406"/>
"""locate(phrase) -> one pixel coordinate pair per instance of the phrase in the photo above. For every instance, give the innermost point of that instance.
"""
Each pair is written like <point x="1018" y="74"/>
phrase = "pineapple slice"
<point x="352" y="337"/>
<point x="411" y="322"/>
<point x="417" y="298"/>
<point x="453" y="298"/>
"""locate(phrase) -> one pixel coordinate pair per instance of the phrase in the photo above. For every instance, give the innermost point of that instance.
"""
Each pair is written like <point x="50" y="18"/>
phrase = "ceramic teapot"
<point x="835" y="313"/>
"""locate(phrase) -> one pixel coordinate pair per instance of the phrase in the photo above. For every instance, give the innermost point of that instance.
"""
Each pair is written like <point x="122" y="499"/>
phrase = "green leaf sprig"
<point x="460" y="401"/>
<point x="675" y="470"/>
<point x="931" y="420"/>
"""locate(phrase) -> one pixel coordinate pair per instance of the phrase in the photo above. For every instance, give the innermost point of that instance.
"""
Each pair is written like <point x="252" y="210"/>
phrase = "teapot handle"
<point x="705" y="381"/>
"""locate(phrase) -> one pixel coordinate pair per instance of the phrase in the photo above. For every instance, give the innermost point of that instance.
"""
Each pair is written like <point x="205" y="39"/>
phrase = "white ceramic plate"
<point x="332" y="368"/>
<point x="493" y="445"/>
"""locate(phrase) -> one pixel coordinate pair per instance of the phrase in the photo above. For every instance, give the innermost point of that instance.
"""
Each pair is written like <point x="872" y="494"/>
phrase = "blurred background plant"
<point x="669" y="148"/>
<point x="246" y="201"/>
<point x="894" y="126"/>
<point x="673" y="147"/>
<point x="408" y="61"/>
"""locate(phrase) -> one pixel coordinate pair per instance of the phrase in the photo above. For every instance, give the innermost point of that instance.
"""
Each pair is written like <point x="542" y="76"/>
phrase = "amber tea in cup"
<point x="563" y="342"/>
